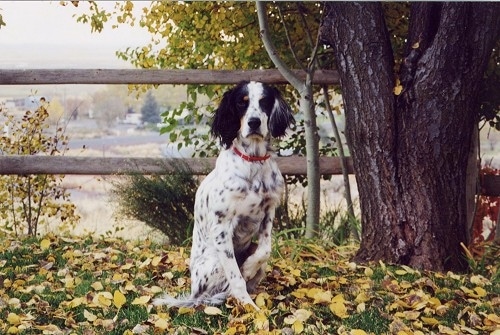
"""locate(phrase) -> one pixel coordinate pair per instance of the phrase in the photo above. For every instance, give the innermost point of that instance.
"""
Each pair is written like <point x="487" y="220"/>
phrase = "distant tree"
<point x="108" y="107"/>
<point x="150" y="110"/>
<point x="75" y="108"/>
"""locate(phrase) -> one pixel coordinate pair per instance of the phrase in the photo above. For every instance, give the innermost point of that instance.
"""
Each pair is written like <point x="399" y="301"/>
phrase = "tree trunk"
<point x="304" y="88"/>
<point x="410" y="150"/>
<point x="312" y="157"/>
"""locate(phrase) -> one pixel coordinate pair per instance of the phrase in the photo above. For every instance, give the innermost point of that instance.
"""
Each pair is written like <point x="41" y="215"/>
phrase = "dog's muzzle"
<point x="254" y="126"/>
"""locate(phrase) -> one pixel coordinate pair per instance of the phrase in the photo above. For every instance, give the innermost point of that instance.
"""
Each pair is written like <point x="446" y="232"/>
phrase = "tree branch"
<point x="271" y="49"/>
<point x="290" y="44"/>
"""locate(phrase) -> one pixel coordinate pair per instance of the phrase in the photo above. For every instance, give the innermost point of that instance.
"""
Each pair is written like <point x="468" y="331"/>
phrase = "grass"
<point x="58" y="285"/>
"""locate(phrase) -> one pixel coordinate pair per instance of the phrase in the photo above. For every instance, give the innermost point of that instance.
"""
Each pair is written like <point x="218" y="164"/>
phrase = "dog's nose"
<point x="254" y="123"/>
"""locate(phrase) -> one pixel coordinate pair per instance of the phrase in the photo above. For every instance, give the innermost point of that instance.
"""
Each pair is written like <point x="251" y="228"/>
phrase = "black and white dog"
<point x="235" y="203"/>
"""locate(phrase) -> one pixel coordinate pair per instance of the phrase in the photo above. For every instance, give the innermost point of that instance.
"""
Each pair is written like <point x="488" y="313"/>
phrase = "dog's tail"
<point x="188" y="301"/>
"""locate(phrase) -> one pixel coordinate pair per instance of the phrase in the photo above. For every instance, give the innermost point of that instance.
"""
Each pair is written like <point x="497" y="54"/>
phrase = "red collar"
<point x="250" y="158"/>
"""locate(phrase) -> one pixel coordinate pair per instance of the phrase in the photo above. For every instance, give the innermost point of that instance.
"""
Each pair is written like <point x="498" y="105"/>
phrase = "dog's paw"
<point x="251" y="267"/>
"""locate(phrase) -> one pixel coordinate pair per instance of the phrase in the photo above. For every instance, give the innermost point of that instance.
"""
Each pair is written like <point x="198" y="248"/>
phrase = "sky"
<point x="44" y="34"/>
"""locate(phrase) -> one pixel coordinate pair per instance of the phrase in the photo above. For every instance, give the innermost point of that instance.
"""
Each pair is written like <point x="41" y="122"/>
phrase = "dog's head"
<point x="252" y="111"/>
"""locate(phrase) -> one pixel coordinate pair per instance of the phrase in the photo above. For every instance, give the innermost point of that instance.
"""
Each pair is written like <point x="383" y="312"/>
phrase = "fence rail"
<point x="20" y="165"/>
<point x="68" y="165"/>
<point x="153" y="76"/>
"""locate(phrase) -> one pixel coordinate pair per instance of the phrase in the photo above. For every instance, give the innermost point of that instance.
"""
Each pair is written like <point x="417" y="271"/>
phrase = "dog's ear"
<point x="281" y="116"/>
<point x="226" y="123"/>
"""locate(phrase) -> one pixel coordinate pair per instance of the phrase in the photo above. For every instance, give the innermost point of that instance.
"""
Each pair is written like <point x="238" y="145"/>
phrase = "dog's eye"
<point x="243" y="102"/>
<point x="266" y="104"/>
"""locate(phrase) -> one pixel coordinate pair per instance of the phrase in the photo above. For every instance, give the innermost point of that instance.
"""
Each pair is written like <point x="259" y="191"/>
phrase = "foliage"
<point x="209" y="35"/>
<point x="485" y="223"/>
<point x="164" y="202"/>
<point x="57" y="285"/>
<point x="30" y="200"/>
<point x="150" y="110"/>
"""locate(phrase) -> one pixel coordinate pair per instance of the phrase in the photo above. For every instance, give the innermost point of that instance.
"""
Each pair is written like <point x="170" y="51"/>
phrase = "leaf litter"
<point x="59" y="285"/>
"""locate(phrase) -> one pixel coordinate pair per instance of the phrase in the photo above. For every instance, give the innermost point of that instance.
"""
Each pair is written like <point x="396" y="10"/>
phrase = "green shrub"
<point x="164" y="202"/>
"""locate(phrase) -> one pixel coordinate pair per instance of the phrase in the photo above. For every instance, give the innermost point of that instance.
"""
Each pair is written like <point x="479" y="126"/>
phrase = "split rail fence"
<point x="68" y="165"/>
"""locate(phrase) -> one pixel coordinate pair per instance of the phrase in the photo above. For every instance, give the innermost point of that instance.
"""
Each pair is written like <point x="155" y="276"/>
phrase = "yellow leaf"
<point x="368" y="272"/>
<point x="89" y="316"/>
<point x="400" y="272"/>
<point x="75" y="302"/>
<point x="398" y="88"/>
<point x="97" y="286"/>
<point x="358" y="332"/>
<point x="117" y="277"/>
<point x="142" y="300"/>
<point x="494" y="318"/>
<point x="69" y="282"/>
<point x="429" y="321"/>
<point x="118" y="299"/>
<point x="479" y="280"/>
<point x="237" y="329"/>
<point x="300" y="293"/>
<point x="302" y="314"/>
<point x="185" y="310"/>
<point x="298" y="327"/>
<point x="145" y="263"/>
<point x="44" y="244"/>
<point x="162" y="324"/>
<point x="102" y="299"/>
<point x="338" y="298"/>
<point x="322" y="297"/>
<point x="362" y="297"/>
<point x="260" y="321"/>
<point x="261" y="300"/>
<point x="289" y="320"/>
<point x="434" y="302"/>
<point x="49" y="329"/>
<point x="415" y="45"/>
<point x="127" y="266"/>
<point x="481" y="292"/>
<point x="13" y="319"/>
<point x="156" y="260"/>
<point x="411" y="315"/>
<point x="212" y="310"/>
<point x="13" y="330"/>
<point x="338" y="308"/>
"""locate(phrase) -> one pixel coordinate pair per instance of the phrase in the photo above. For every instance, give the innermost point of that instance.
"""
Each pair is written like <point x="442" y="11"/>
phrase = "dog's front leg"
<point x="254" y="267"/>
<point x="223" y="239"/>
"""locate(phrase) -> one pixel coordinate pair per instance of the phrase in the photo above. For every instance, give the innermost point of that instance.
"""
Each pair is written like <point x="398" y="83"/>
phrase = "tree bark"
<point x="410" y="151"/>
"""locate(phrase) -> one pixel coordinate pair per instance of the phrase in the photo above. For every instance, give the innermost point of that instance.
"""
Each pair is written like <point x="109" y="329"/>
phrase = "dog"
<point x="235" y="203"/>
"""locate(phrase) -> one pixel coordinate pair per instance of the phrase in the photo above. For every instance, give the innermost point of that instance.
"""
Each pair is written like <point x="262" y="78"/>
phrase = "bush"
<point x="26" y="201"/>
<point x="163" y="202"/>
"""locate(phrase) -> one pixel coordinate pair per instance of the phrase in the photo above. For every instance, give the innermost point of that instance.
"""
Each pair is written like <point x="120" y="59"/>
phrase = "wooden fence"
<point x="67" y="165"/>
